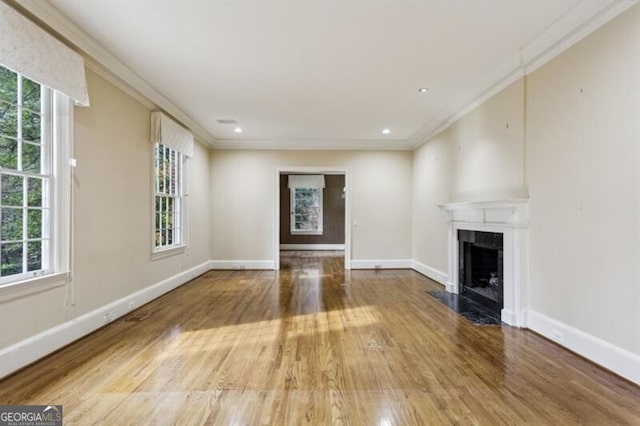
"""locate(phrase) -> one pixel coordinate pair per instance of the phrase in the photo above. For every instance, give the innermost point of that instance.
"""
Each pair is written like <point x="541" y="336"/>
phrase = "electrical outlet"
<point x="107" y="317"/>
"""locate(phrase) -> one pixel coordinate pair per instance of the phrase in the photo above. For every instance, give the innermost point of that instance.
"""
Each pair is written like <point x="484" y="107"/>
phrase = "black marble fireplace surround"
<point x="481" y="270"/>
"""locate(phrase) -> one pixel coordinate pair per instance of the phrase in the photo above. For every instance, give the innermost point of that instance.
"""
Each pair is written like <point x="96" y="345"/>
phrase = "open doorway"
<point x="312" y="212"/>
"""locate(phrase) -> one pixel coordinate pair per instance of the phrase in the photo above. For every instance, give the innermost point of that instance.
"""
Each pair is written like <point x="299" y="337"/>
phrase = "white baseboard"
<point x="241" y="264"/>
<point x="25" y="352"/>
<point x="381" y="264"/>
<point x="311" y="246"/>
<point x="428" y="271"/>
<point x="611" y="357"/>
<point x="509" y="317"/>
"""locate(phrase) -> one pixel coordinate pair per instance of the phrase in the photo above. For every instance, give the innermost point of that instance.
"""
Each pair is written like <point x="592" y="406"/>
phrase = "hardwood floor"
<point x="312" y="344"/>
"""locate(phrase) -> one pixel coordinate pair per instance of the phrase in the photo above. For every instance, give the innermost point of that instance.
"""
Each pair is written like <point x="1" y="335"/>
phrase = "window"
<point x="306" y="211"/>
<point x="39" y="79"/>
<point x="26" y="174"/>
<point x="169" y="201"/>
<point x="172" y="147"/>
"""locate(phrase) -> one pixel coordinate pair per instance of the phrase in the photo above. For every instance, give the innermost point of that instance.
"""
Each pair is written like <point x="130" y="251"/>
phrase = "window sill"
<point x="161" y="254"/>
<point x="306" y="232"/>
<point x="31" y="286"/>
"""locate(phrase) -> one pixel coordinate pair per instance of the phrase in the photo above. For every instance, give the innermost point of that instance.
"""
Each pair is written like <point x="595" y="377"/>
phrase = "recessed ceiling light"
<point x="386" y="131"/>
<point x="423" y="90"/>
<point x="237" y="130"/>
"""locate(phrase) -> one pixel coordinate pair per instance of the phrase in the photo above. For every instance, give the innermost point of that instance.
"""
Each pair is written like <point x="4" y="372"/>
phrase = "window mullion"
<point x="25" y="217"/>
<point x="19" y="123"/>
<point x="171" y="171"/>
<point x="156" y="168"/>
<point x="25" y="192"/>
<point x="162" y="220"/>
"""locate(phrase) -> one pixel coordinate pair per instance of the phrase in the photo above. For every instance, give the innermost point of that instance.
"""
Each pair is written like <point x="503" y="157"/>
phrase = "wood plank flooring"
<point x="313" y="344"/>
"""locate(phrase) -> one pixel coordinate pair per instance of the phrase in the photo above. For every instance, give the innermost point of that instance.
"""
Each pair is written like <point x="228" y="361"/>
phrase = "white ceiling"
<point x="308" y="73"/>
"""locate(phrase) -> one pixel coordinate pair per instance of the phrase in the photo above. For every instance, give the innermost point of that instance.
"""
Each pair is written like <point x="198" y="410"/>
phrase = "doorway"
<point x="325" y="233"/>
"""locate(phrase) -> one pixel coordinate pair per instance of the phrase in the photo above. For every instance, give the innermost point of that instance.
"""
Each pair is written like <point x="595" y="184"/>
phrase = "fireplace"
<point x="500" y="231"/>
<point x="481" y="268"/>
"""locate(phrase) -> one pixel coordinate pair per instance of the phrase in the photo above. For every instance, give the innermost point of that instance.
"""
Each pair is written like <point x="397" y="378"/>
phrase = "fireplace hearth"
<point x="481" y="268"/>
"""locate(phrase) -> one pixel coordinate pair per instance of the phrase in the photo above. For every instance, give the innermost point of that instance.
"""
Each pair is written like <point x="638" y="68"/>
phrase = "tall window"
<point x="168" y="198"/>
<point x="25" y="177"/>
<point x="306" y="211"/>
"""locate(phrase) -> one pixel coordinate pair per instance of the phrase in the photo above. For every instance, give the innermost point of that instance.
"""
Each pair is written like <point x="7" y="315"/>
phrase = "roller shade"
<point x="169" y="133"/>
<point x="32" y="52"/>
<point x="306" y="181"/>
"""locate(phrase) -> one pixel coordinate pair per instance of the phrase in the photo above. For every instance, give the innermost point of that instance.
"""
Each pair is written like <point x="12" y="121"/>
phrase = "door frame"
<point x="327" y="170"/>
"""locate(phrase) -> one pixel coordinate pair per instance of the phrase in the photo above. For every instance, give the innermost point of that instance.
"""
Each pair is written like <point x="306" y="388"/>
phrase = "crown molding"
<point x="314" y="144"/>
<point x="578" y="22"/>
<point x="104" y="63"/>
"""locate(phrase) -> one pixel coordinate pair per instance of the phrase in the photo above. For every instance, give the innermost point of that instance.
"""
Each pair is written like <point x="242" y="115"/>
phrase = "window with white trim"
<point x="39" y="79"/>
<point x="26" y="174"/>
<point x="306" y="211"/>
<point x="169" y="198"/>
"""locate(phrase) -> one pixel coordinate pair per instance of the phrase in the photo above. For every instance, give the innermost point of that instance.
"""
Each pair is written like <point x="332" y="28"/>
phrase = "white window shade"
<point x="306" y="181"/>
<point x="32" y="52"/>
<point x="167" y="132"/>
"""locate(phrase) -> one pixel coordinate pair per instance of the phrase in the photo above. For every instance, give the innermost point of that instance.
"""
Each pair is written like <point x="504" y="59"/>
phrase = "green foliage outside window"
<point x="22" y="178"/>
<point x="168" y="175"/>
<point x="306" y="209"/>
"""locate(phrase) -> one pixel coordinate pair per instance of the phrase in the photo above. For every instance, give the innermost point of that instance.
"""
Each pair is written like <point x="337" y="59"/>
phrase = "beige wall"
<point x="583" y="162"/>
<point x="242" y="210"/>
<point x="488" y="149"/>
<point x="479" y="157"/>
<point x="432" y="182"/>
<point x="113" y="216"/>
<point x="578" y="160"/>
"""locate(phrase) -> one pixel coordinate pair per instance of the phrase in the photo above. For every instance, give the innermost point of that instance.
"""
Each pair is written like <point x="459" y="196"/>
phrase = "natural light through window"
<point x="306" y="211"/>
<point x="168" y="197"/>
<point x="25" y="177"/>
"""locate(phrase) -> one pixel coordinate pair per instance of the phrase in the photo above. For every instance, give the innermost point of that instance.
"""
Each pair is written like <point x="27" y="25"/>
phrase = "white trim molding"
<point x="325" y="170"/>
<point x="603" y="353"/>
<point x="25" y="288"/>
<point x="381" y="264"/>
<point x="107" y="65"/>
<point x="229" y="265"/>
<point x="510" y="218"/>
<point x="25" y="352"/>
<point x="579" y="21"/>
<point x="311" y="246"/>
<point x="429" y="272"/>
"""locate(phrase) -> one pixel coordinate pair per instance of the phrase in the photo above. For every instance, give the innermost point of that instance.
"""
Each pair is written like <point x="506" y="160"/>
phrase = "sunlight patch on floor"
<point x="193" y="342"/>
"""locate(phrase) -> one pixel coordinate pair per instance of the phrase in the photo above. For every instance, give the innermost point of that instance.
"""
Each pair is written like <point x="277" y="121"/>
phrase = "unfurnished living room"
<point x="279" y="212"/>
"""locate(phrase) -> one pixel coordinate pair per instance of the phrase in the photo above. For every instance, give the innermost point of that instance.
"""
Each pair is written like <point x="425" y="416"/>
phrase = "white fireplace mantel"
<point x="509" y="217"/>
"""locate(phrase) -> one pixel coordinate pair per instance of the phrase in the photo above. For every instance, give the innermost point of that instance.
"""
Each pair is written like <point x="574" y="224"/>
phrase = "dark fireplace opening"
<point x="481" y="268"/>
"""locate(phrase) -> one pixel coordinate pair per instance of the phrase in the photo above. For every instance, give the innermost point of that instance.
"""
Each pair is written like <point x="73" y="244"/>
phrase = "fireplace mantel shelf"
<point x="491" y="204"/>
